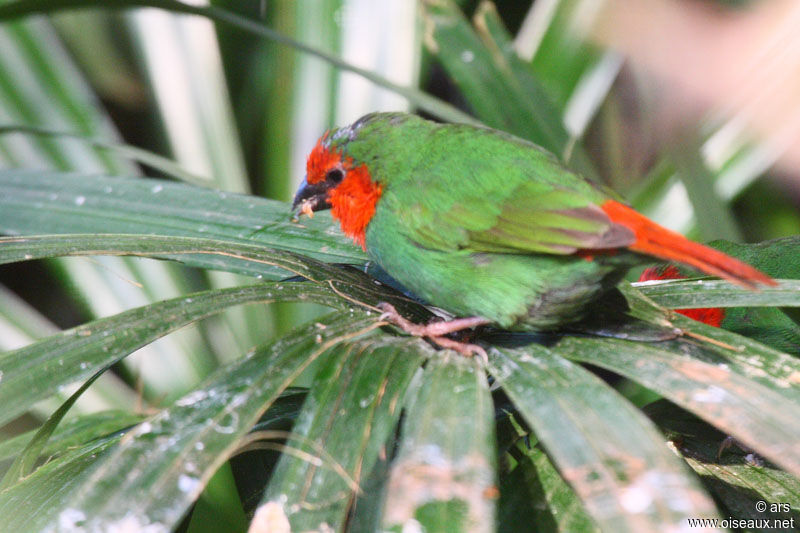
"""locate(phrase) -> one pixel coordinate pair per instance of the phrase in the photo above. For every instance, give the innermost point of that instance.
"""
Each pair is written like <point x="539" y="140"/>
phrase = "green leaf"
<point x="443" y="476"/>
<point x="134" y="153"/>
<point x="73" y="432"/>
<point x="219" y="506"/>
<point x="558" y="59"/>
<point x="33" y="372"/>
<point x="40" y="369"/>
<point x="737" y="477"/>
<point x="24" y="462"/>
<point x="518" y="507"/>
<point x="776" y="327"/>
<point x="532" y="491"/>
<point x="757" y="414"/>
<point x="175" y="452"/>
<point x="368" y="507"/>
<point x="775" y="370"/>
<point x="349" y="284"/>
<point x="353" y="406"/>
<point x="613" y="457"/>
<point x="691" y="294"/>
<point x="51" y="202"/>
<point x="254" y="260"/>
<point x="555" y="503"/>
<point x="40" y="85"/>
<point x="497" y="84"/>
<point x="28" y="505"/>
<point x="255" y="460"/>
<point x="334" y="286"/>
<point x="714" y="217"/>
<point x="421" y="99"/>
<point x="23" y="324"/>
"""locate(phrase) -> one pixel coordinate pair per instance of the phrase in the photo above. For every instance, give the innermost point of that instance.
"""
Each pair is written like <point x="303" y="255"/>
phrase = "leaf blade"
<point x="443" y="476"/>
<point x="754" y="413"/>
<point x="346" y="420"/>
<point x="691" y="294"/>
<point x="171" y="466"/>
<point x="35" y="202"/>
<point x="605" y="448"/>
<point x="38" y="370"/>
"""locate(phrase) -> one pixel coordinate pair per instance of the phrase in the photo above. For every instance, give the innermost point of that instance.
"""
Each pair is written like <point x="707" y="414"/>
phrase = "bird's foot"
<point x="464" y="348"/>
<point x="436" y="331"/>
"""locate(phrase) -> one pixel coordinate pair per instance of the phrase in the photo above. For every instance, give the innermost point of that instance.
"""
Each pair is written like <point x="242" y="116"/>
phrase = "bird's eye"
<point x="334" y="176"/>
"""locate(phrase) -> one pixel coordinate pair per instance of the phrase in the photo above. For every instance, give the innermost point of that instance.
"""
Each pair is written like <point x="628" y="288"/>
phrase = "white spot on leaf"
<point x="228" y="425"/>
<point x="270" y="518"/>
<point x="192" y="398"/>
<point x="131" y="523"/>
<point x="71" y="519"/>
<point x="636" y="499"/>
<point x="712" y="394"/>
<point x="188" y="483"/>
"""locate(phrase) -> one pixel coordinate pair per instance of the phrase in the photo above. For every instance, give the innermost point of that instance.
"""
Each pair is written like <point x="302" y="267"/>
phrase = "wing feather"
<point x="532" y="218"/>
<point x="496" y="193"/>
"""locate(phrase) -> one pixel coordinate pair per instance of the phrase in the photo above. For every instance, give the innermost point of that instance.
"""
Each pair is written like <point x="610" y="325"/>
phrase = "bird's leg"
<point x="464" y="348"/>
<point x="436" y="331"/>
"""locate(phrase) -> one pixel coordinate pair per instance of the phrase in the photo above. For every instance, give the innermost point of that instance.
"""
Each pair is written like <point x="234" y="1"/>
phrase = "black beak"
<point x="314" y="196"/>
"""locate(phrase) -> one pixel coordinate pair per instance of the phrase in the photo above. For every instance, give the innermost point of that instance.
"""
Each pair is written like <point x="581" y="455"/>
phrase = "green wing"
<point x="532" y="218"/>
<point x="453" y="186"/>
<point x="555" y="220"/>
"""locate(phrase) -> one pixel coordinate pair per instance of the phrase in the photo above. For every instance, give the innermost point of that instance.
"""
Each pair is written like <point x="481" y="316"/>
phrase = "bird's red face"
<point x="334" y="181"/>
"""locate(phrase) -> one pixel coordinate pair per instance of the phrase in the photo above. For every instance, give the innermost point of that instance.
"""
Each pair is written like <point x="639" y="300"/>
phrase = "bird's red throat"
<point x="353" y="201"/>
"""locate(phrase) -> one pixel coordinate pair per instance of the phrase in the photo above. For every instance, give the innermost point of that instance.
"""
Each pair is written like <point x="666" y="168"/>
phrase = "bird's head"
<point x="335" y="181"/>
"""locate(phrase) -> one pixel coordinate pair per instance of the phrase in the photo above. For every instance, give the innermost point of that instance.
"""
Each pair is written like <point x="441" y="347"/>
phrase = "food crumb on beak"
<point x="307" y="209"/>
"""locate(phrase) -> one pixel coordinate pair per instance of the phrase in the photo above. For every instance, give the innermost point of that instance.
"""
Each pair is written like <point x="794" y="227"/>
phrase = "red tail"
<point x="657" y="241"/>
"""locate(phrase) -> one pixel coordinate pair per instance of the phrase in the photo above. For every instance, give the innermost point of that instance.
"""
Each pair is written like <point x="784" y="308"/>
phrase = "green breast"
<point x="525" y="292"/>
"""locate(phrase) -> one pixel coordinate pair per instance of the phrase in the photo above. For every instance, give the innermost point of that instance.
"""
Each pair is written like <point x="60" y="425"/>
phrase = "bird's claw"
<point x="464" y="348"/>
<point x="389" y="313"/>
<point x="436" y="331"/>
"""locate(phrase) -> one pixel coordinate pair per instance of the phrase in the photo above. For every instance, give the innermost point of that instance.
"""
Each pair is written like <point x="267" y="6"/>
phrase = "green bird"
<point x="487" y="226"/>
